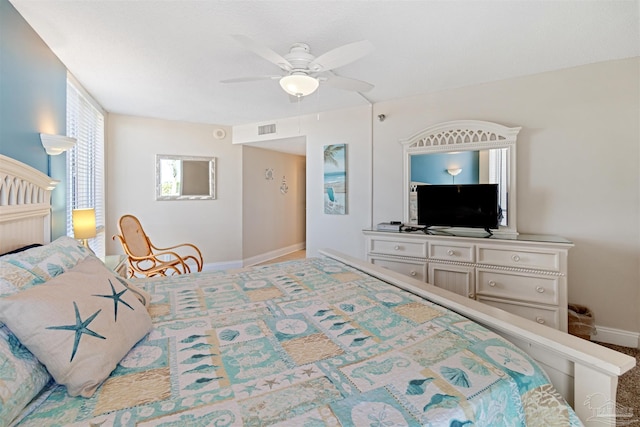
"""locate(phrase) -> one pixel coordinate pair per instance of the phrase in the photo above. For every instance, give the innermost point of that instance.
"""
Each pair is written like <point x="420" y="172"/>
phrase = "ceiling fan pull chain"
<point x="318" y="104"/>
<point x="299" y="112"/>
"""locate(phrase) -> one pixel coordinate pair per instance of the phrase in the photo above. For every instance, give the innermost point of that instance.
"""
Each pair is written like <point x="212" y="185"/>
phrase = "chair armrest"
<point x="199" y="260"/>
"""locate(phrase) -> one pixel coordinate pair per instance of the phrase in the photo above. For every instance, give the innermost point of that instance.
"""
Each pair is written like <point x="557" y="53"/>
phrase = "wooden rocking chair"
<point x="146" y="259"/>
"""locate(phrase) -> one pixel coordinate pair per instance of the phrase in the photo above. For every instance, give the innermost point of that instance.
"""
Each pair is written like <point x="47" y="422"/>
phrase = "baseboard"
<point x="616" y="337"/>
<point x="214" y="266"/>
<point x="273" y="254"/>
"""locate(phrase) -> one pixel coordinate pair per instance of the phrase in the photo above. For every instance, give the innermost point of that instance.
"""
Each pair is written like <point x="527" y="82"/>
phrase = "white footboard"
<point x="586" y="374"/>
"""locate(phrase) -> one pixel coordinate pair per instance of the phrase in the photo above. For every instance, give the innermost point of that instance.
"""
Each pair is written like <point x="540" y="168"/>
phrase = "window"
<point x="85" y="161"/>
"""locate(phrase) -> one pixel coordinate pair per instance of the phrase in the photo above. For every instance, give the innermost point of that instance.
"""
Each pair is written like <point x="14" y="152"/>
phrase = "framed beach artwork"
<point x="335" y="179"/>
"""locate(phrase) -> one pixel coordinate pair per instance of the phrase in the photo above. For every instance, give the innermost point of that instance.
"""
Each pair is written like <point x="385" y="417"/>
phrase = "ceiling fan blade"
<point x="250" y="79"/>
<point x="263" y="51"/>
<point x="346" y="83"/>
<point x="340" y="56"/>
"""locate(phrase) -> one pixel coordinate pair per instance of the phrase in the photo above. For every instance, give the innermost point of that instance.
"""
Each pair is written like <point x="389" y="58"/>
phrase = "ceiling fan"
<point x="304" y="71"/>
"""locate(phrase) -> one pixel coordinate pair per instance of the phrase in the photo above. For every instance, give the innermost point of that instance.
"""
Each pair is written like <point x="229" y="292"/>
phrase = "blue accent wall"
<point x="33" y="100"/>
<point x="432" y="168"/>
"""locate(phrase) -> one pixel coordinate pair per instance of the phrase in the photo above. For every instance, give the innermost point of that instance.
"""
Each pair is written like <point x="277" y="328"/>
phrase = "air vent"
<point x="267" y="129"/>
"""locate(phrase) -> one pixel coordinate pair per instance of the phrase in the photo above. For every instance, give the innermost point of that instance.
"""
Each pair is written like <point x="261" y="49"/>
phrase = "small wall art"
<point x="268" y="174"/>
<point x="335" y="179"/>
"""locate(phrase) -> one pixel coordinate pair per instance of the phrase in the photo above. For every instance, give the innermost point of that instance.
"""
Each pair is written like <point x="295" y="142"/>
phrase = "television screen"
<point x="466" y="205"/>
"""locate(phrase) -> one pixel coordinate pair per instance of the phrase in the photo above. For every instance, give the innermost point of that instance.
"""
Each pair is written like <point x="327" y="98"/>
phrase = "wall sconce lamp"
<point x="454" y="172"/>
<point x="56" y="144"/>
<point x="84" y="224"/>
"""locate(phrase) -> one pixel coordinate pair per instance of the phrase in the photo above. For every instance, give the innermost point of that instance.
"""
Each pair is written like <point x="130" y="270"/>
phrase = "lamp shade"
<point x="56" y="144"/>
<point x="299" y="84"/>
<point x="454" y="171"/>
<point x="84" y="223"/>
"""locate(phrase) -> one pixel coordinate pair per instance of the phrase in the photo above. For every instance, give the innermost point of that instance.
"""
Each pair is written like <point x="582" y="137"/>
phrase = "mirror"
<point x="185" y="177"/>
<point x="463" y="152"/>
<point x="461" y="167"/>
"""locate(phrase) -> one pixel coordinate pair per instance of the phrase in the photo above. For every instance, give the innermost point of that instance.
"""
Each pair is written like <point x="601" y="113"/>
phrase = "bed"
<point x="321" y="341"/>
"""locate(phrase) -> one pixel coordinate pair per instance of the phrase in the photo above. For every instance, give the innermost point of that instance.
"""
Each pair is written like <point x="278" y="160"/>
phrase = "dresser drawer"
<point x="398" y="247"/>
<point x="519" y="258"/>
<point x="454" y="278"/>
<point x="517" y="286"/>
<point x="542" y="315"/>
<point x="415" y="269"/>
<point x="451" y="252"/>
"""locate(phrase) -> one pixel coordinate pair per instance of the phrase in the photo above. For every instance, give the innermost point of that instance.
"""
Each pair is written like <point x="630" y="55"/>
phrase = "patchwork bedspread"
<point x="309" y="343"/>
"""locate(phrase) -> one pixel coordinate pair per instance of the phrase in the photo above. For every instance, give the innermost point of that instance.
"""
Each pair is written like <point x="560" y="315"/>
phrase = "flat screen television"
<point x="465" y="205"/>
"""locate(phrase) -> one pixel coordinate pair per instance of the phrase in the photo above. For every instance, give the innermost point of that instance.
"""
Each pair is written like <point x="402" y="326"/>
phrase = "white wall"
<point x="348" y="126"/>
<point x="578" y="160"/>
<point x="215" y="226"/>
<point x="273" y="222"/>
<point x="340" y="232"/>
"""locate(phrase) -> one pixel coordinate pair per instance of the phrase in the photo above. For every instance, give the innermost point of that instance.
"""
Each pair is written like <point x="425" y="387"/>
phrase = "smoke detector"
<point x="219" y="133"/>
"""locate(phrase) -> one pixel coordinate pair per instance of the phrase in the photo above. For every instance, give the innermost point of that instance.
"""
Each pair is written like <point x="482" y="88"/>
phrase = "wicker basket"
<point x="581" y="322"/>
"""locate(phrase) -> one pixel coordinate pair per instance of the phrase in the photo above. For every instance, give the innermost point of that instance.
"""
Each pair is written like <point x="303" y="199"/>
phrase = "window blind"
<point x="85" y="162"/>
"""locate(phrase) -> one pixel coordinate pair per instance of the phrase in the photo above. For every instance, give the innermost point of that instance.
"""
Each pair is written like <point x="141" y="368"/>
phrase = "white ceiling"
<point x="165" y="59"/>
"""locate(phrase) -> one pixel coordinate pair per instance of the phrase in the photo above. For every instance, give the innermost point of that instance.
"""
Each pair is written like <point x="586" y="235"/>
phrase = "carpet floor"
<point x="628" y="383"/>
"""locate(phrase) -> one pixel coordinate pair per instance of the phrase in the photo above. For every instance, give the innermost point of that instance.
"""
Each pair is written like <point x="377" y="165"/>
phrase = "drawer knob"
<point x="515" y="258"/>
<point x="540" y="289"/>
<point x="396" y="247"/>
<point x="413" y="273"/>
<point x="450" y="252"/>
<point x="492" y="283"/>
<point x="540" y="320"/>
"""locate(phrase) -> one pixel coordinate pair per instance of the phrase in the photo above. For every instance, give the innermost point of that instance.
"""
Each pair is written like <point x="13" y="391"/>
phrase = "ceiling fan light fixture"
<point x="299" y="84"/>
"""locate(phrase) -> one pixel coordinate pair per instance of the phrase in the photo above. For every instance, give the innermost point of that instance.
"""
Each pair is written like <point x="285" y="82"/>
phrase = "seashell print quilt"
<point x="309" y="343"/>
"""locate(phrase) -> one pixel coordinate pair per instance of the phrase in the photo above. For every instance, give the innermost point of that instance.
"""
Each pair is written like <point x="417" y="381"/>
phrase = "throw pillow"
<point x="21" y="377"/>
<point x="79" y="324"/>
<point x="42" y="263"/>
<point x="22" y="249"/>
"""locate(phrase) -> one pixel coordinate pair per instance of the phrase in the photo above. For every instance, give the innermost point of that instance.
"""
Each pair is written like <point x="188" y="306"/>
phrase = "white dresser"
<point x="525" y="275"/>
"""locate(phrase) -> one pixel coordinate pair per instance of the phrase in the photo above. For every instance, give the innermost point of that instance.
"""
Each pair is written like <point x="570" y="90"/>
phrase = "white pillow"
<point x="79" y="324"/>
<point x="39" y="264"/>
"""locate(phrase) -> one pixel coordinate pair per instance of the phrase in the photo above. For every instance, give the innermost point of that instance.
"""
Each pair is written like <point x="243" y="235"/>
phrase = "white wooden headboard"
<point x="25" y="205"/>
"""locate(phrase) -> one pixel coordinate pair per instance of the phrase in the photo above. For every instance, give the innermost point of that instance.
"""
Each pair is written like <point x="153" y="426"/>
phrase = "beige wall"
<point x="215" y="226"/>
<point x="341" y="232"/>
<point x="351" y="126"/>
<point x="272" y="221"/>
<point x="578" y="159"/>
